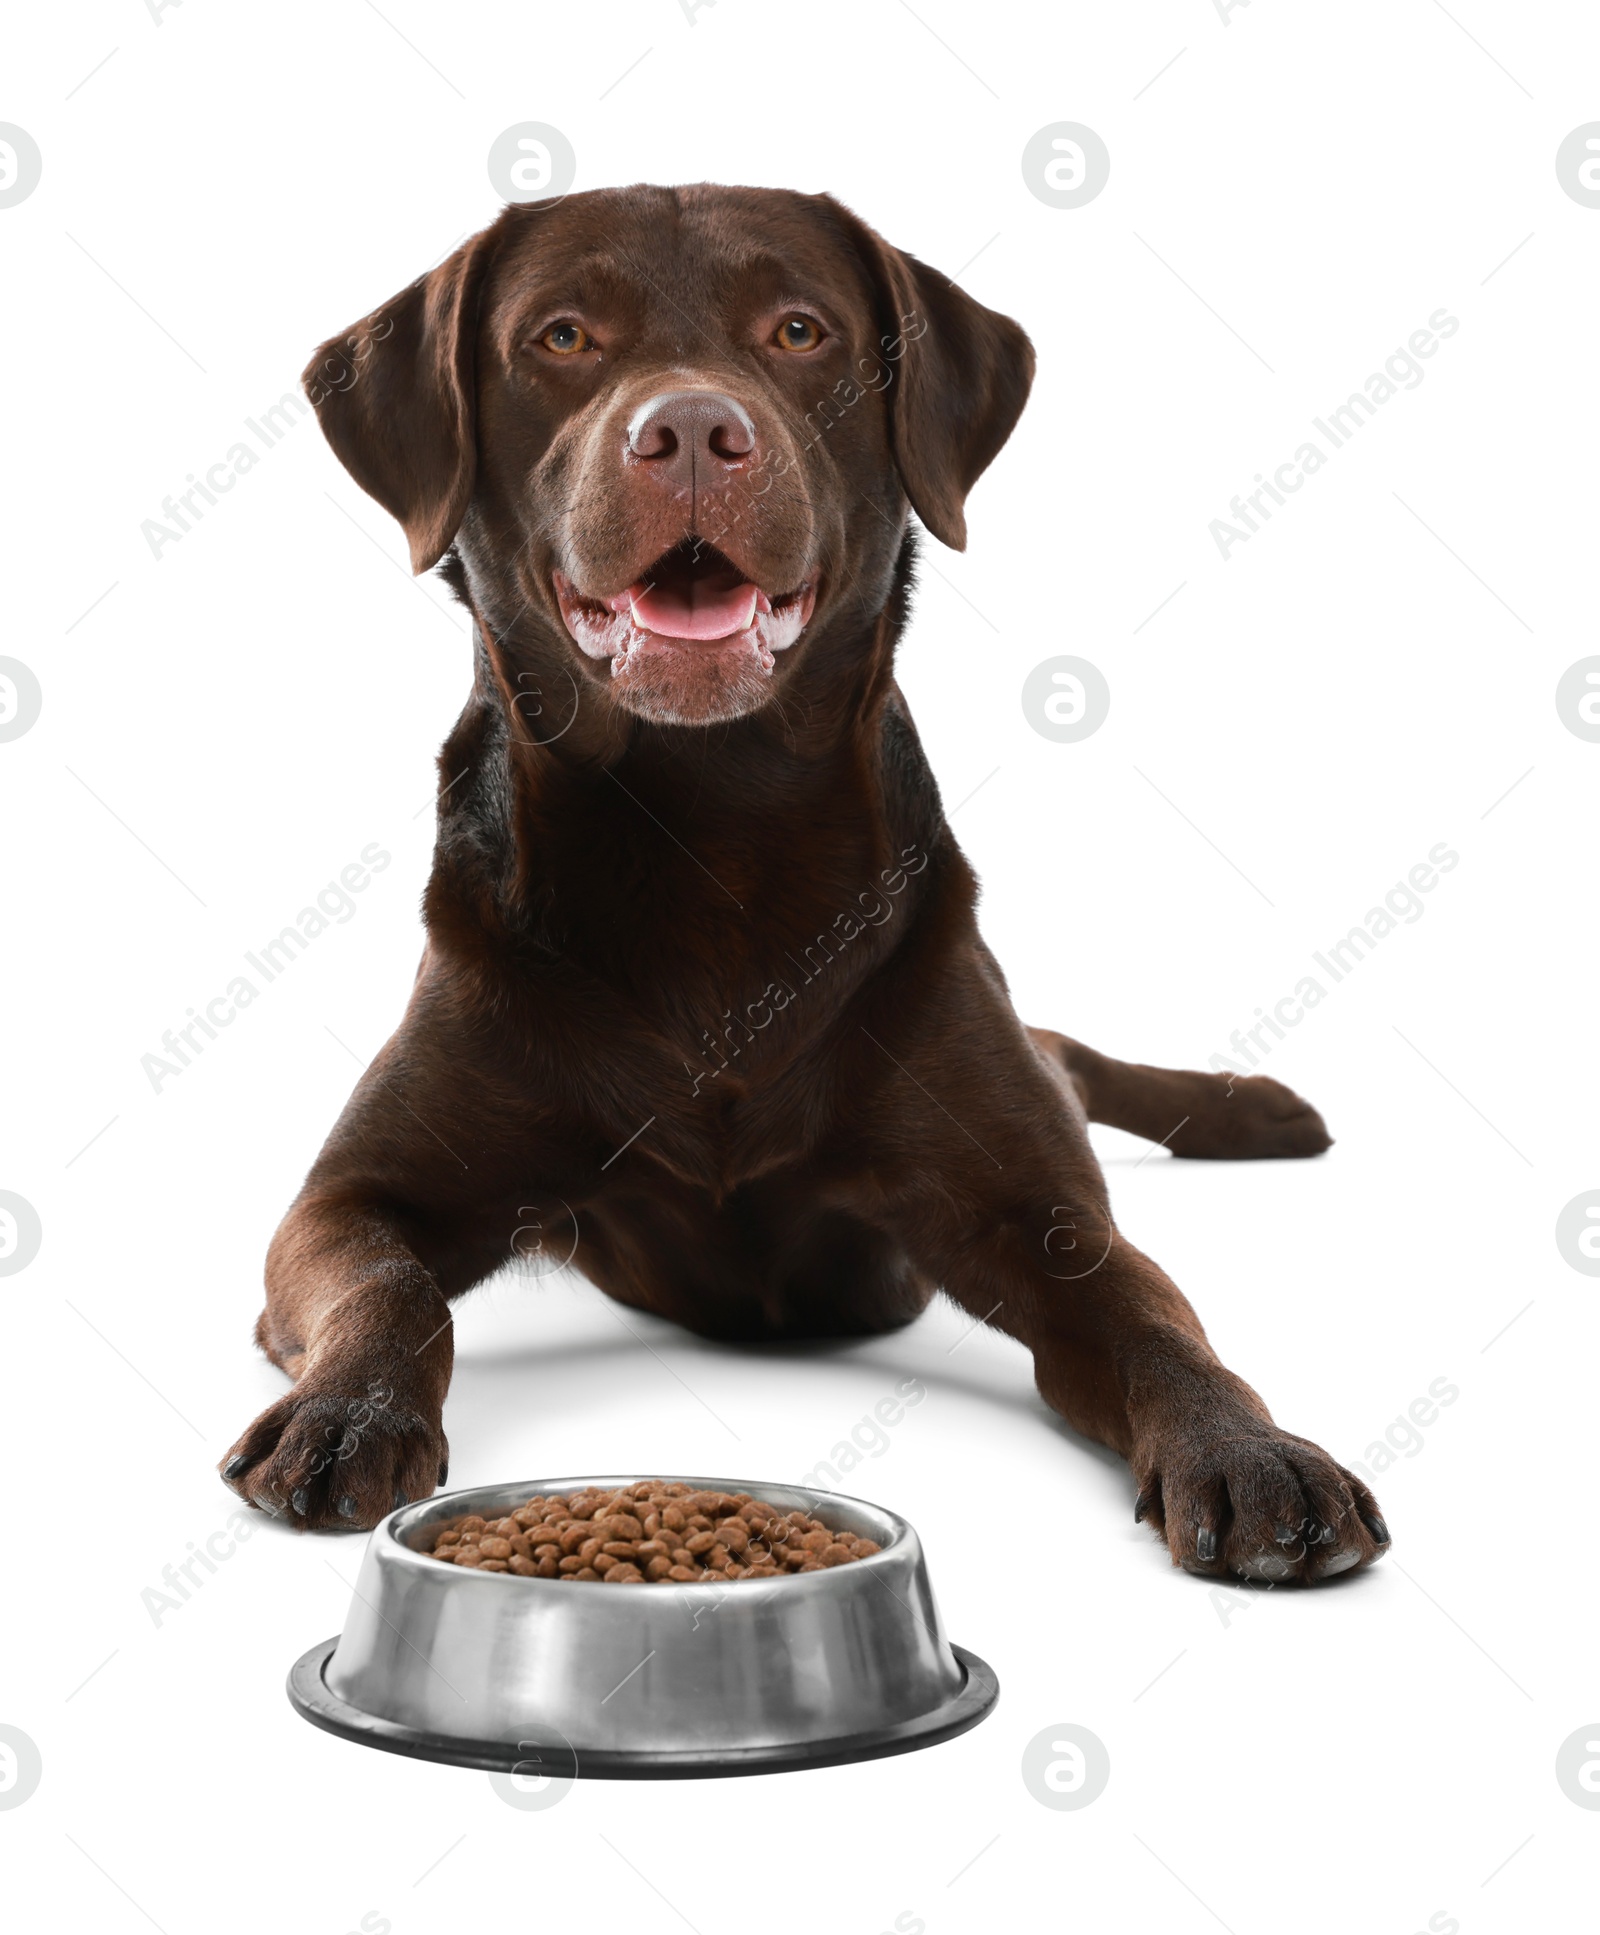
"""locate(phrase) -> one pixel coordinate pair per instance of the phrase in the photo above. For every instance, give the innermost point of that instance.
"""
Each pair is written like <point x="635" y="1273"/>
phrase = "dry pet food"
<point x="649" y="1533"/>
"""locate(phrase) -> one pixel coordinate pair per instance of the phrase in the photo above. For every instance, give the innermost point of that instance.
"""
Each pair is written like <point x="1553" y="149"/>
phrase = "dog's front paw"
<point x="337" y="1455"/>
<point x="1255" y="1502"/>
<point x="1247" y="1117"/>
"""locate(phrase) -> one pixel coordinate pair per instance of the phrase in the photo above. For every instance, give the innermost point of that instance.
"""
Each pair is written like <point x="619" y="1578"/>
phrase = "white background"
<point x="1293" y="196"/>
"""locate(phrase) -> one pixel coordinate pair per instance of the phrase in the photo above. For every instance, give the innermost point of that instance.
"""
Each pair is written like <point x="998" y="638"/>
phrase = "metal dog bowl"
<point x="642" y="1682"/>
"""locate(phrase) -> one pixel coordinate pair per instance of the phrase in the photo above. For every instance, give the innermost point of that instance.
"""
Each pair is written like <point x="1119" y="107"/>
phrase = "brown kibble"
<point x="648" y="1532"/>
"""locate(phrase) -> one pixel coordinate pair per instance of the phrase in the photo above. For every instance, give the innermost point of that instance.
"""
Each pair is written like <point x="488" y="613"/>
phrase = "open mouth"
<point x="692" y="600"/>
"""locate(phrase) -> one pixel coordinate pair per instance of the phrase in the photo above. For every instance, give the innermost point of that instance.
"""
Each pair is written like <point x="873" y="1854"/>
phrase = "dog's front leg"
<point x="981" y="1166"/>
<point x="362" y="1326"/>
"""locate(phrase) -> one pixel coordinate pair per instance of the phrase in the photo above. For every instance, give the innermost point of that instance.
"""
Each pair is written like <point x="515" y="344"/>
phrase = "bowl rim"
<point x="900" y="1529"/>
<point x="317" y="1702"/>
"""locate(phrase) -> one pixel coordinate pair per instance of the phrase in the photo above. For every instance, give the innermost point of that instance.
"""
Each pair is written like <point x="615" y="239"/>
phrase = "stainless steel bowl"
<point x="757" y="1675"/>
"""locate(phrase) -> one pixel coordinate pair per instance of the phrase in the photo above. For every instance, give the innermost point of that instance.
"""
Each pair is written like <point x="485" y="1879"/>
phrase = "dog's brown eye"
<point x="566" y="339"/>
<point x="797" y="332"/>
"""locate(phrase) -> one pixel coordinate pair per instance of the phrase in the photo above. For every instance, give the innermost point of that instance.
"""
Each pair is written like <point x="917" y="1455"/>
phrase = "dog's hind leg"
<point x="1190" y="1112"/>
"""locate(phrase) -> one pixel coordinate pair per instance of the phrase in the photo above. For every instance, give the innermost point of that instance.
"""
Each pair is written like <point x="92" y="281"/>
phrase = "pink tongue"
<point x="694" y="610"/>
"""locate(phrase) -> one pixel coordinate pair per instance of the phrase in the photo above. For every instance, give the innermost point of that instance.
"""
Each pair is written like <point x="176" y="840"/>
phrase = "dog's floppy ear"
<point x="396" y="399"/>
<point x="961" y="376"/>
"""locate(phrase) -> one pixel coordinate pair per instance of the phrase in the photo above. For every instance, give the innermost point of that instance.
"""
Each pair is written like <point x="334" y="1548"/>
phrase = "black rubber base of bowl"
<point x="312" y="1698"/>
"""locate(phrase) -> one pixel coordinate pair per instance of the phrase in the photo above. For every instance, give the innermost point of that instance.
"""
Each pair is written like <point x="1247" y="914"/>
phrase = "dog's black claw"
<point x="1284" y="1534"/>
<point x="347" y="1506"/>
<point x="236" y="1467"/>
<point x="297" y="1499"/>
<point x="1324" y="1535"/>
<point x="444" y="1471"/>
<point x="1376" y="1526"/>
<point x="399" y="1499"/>
<point x="1205" y="1545"/>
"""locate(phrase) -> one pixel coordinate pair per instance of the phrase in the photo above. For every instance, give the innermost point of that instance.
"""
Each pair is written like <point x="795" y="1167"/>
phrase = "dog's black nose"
<point x="684" y="432"/>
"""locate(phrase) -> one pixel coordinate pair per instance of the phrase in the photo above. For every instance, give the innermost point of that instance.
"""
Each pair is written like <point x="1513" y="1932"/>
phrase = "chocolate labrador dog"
<point x="703" y="998"/>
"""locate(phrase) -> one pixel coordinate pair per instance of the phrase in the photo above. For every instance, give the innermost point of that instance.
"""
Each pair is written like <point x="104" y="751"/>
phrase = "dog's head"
<point x="673" y="432"/>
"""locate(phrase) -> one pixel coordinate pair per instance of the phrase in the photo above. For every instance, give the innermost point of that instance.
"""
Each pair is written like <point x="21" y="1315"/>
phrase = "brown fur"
<point x="755" y="935"/>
